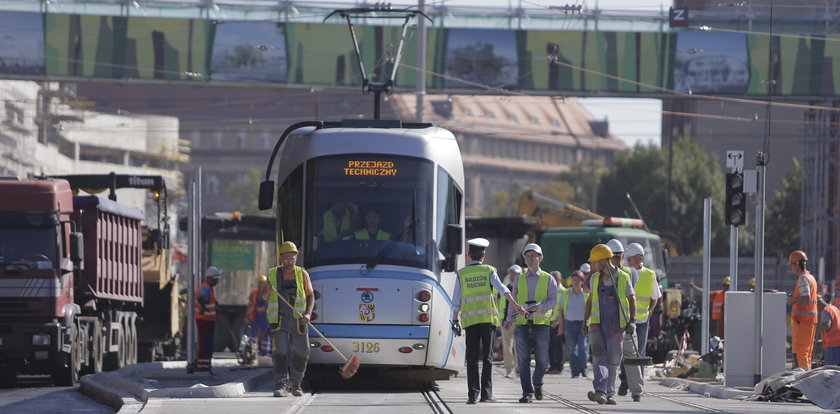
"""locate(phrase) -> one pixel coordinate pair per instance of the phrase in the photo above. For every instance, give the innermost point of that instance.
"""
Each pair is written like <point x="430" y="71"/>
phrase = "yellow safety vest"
<point x="561" y="293"/>
<point x="299" y="303"/>
<point x="363" y="235"/>
<point x="540" y="295"/>
<point x="623" y="302"/>
<point x="331" y="231"/>
<point x="478" y="304"/>
<point x="644" y="291"/>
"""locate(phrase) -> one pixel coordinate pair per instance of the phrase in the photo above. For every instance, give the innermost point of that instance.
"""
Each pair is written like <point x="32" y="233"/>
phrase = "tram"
<point x="377" y="210"/>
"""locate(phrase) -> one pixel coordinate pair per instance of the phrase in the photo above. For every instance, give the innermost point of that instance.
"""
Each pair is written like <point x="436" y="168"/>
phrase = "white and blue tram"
<point x="377" y="210"/>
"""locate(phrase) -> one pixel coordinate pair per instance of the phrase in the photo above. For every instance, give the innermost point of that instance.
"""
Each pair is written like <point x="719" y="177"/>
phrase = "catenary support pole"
<point x="421" y="61"/>
<point x="707" y="262"/>
<point x="761" y="163"/>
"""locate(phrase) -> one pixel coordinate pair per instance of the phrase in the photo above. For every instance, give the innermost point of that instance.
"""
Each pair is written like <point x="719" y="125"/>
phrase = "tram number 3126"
<point x="366" y="347"/>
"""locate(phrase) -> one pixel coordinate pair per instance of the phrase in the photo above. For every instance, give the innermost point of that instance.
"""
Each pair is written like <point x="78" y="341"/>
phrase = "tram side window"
<point x="448" y="207"/>
<point x="290" y="204"/>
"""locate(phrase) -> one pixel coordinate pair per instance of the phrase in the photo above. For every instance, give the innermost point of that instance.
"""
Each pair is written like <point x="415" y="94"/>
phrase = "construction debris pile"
<point x="818" y="386"/>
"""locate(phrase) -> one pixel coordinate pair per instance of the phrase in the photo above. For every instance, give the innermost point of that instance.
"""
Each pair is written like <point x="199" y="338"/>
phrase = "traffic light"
<point x="736" y="200"/>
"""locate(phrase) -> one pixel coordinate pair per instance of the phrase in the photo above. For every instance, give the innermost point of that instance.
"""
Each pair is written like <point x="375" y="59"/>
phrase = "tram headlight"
<point x="424" y="296"/>
<point x="424" y="307"/>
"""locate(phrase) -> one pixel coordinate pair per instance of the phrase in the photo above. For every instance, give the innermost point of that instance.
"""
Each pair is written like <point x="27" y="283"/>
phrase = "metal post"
<point x="420" y="88"/>
<point x="761" y="163"/>
<point x="733" y="258"/>
<point x="707" y="269"/>
<point x="191" y="280"/>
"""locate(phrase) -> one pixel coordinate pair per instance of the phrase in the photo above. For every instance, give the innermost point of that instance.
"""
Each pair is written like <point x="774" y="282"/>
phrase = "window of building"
<point x="490" y="115"/>
<point x="212" y="183"/>
<point x="219" y="136"/>
<point x="512" y="119"/>
<point x="265" y="140"/>
<point x="242" y="140"/>
<point x="535" y="121"/>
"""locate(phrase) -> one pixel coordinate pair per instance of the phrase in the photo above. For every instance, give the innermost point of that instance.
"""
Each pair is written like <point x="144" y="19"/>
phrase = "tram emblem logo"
<point x="367" y="312"/>
<point x="367" y="297"/>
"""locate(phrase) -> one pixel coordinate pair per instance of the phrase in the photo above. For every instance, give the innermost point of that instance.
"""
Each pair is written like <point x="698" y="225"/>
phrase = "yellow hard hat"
<point x="262" y="278"/>
<point x="726" y="280"/>
<point x="288" y="247"/>
<point x="600" y="252"/>
<point x="751" y="283"/>
<point x="568" y="281"/>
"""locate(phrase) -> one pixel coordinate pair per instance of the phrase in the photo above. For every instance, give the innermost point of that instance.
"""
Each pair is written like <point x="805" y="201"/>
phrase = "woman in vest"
<point x="474" y="306"/>
<point x="803" y="313"/>
<point x="205" y="319"/>
<point x="536" y="290"/>
<point x="611" y="313"/>
<point x="571" y="317"/>
<point x="289" y="332"/>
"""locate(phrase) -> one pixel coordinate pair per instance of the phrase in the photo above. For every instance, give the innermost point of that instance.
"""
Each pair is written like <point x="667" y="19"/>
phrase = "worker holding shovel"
<point x="288" y="326"/>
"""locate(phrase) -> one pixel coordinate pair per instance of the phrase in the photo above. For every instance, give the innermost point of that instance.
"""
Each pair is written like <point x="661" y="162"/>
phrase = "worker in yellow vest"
<point x="536" y="290"/>
<point x="289" y="331"/>
<point x="336" y="222"/>
<point x="474" y="307"/>
<point x="803" y="314"/>
<point x="507" y="328"/>
<point x="372" y="230"/>
<point x="647" y="294"/>
<point x="611" y="313"/>
<point x="205" y="319"/>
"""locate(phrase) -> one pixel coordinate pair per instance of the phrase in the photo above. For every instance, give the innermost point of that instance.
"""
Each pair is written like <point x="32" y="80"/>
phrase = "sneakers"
<point x="471" y="400"/>
<point x="610" y="401"/>
<point x="597" y="396"/>
<point x="490" y="399"/>
<point x="296" y="390"/>
<point x="574" y="375"/>
<point x="584" y="374"/>
<point x="538" y="393"/>
<point x="280" y="392"/>
<point x="526" y="398"/>
<point x="622" y="389"/>
<point x="637" y="398"/>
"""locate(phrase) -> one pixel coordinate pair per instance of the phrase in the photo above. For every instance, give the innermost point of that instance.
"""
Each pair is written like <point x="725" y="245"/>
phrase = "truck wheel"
<point x="132" y="343"/>
<point x="67" y="366"/>
<point x="116" y="360"/>
<point x="95" y="363"/>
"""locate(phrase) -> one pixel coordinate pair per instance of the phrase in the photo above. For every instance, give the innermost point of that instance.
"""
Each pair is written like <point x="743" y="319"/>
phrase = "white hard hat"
<point x="615" y="246"/>
<point x="516" y="268"/>
<point x="213" y="272"/>
<point x="532" y="246"/>
<point x="634" y="249"/>
<point x="584" y="268"/>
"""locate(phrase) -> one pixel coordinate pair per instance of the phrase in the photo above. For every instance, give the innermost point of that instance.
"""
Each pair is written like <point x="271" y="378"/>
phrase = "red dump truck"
<point x="71" y="281"/>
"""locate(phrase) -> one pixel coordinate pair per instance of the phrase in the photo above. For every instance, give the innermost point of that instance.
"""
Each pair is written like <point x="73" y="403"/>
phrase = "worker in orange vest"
<point x="205" y="319"/>
<point x="829" y="327"/>
<point x="804" y="313"/>
<point x="716" y="301"/>
<point x="258" y="318"/>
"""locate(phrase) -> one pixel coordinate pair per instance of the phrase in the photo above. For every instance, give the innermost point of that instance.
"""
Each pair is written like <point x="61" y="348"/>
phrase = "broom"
<point x="351" y="365"/>
<point x="638" y="359"/>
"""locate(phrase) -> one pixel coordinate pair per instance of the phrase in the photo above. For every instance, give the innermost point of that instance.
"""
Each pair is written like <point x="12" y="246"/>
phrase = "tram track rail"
<point x="686" y="403"/>
<point x="433" y="399"/>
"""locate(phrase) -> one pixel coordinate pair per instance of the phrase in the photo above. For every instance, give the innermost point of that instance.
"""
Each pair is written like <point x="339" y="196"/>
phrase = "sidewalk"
<point x="128" y="389"/>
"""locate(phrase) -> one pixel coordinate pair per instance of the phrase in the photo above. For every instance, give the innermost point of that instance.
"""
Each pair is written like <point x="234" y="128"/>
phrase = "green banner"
<point x="233" y="255"/>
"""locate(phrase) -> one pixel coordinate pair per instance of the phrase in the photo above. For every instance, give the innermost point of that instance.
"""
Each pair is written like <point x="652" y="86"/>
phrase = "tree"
<point x="782" y="227"/>
<point x="245" y="194"/>
<point x="504" y="203"/>
<point x="583" y="178"/>
<point x="643" y="173"/>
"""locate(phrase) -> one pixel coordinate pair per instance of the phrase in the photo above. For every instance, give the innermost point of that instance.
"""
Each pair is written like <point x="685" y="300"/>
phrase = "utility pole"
<point x="420" y="89"/>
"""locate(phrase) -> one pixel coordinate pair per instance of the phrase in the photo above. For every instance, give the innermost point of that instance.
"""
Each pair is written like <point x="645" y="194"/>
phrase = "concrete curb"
<point x="124" y="396"/>
<point x="712" y="390"/>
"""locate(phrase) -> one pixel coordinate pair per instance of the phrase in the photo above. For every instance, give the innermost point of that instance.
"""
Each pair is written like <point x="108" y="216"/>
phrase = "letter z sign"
<point x="678" y="17"/>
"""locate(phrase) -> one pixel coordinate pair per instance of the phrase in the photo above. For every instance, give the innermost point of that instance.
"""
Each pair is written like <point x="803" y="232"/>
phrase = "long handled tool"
<point x="351" y="365"/>
<point x="638" y="359"/>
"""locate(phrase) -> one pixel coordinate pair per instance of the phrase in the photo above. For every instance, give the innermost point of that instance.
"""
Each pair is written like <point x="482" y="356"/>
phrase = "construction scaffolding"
<point x="820" y="222"/>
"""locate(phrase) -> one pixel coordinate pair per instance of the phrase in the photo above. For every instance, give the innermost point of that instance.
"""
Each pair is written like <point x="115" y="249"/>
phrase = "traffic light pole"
<point x="733" y="258"/>
<point x="761" y="164"/>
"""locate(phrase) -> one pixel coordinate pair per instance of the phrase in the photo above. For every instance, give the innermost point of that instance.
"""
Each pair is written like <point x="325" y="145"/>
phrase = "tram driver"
<point x="336" y="223"/>
<point x="372" y="230"/>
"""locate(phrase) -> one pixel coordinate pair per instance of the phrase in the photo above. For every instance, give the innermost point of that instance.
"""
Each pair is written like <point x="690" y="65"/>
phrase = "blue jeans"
<point x="578" y="345"/>
<point x="530" y="337"/>
<point x="832" y="355"/>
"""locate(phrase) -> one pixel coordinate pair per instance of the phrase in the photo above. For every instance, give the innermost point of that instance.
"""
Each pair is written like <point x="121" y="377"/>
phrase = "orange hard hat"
<point x="797" y="256"/>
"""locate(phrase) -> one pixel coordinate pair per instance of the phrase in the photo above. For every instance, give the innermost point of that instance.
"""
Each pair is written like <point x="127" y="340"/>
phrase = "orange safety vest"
<point x="717" y="304"/>
<point x="831" y="337"/>
<point x="807" y="312"/>
<point x="210" y="314"/>
<point x="252" y="305"/>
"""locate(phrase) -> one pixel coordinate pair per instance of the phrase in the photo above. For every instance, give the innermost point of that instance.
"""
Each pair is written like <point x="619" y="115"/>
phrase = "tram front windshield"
<point x="366" y="209"/>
